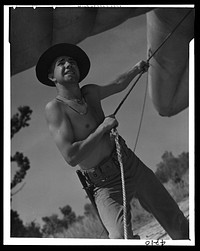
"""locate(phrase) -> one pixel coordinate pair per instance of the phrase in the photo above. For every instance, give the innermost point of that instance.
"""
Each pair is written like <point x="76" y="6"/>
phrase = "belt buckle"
<point x="95" y="174"/>
<point x="98" y="174"/>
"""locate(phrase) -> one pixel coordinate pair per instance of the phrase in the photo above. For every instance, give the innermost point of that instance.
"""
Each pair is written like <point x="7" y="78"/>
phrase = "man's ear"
<point x="51" y="77"/>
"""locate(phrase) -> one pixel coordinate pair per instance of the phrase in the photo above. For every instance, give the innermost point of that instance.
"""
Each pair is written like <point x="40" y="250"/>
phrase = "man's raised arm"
<point x="122" y="81"/>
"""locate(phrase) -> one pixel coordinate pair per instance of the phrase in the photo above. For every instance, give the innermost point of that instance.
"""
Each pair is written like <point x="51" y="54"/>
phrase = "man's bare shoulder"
<point x="53" y="111"/>
<point x="52" y="106"/>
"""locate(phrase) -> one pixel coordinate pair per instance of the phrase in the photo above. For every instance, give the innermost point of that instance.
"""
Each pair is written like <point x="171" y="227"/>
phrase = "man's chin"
<point x="71" y="78"/>
<point x="71" y="81"/>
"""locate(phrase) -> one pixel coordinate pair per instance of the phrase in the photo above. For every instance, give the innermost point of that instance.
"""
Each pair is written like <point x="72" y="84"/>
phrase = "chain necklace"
<point x="78" y="101"/>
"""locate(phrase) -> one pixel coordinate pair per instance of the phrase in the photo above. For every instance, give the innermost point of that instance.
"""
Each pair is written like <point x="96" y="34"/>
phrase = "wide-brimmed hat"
<point x="62" y="49"/>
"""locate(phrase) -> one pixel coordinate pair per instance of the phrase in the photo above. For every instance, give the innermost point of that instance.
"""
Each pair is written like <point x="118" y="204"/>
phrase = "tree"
<point x="17" y="226"/>
<point x="183" y="162"/>
<point x="69" y="217"/>
<point x="18" y="121"/>
<point x="54" y="225"/>
<point x="23" y="164"/>
<point x="172" y="167"/>
<point x="32" y="229"/>
<point x="89" y="211"/>
<point x="19" y="230"/>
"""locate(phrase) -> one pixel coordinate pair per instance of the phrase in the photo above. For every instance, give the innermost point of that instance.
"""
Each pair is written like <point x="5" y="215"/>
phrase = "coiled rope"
<point x="116" y="134"/>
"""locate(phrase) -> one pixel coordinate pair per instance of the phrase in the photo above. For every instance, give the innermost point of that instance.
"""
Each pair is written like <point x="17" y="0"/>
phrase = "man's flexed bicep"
<point x="60" y="129"/>
<point x="73" y="151"/>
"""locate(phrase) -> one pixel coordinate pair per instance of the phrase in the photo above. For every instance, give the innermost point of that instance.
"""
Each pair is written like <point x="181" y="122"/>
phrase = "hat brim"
<point x="62" y="49"/>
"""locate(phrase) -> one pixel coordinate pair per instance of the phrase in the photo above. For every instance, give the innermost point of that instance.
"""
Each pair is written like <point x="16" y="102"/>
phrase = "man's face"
<point x="65" y="69"/>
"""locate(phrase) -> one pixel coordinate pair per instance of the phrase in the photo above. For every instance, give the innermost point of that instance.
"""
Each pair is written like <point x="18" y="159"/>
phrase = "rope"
<point x="119" y="156"/>
<point x="126" y="96"/>
<point x="142" y="115"/>
<point x="164" y="41"/>
<point x="169" y="35"/>
<point x="115" y="132"/>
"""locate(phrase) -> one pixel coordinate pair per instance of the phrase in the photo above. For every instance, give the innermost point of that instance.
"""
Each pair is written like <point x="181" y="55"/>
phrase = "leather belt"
<point x="108" y="168"/>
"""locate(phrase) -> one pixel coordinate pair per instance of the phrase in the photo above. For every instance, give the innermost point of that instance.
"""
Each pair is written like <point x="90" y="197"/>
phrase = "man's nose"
<point x="67" y="65"/>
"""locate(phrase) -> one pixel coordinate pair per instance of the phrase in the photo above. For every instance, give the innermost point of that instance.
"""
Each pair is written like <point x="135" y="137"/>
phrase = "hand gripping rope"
<point x="115" y="132"/>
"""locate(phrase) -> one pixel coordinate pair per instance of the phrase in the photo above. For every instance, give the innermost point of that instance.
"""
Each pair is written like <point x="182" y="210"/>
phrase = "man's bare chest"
<point x="84" y="124"/>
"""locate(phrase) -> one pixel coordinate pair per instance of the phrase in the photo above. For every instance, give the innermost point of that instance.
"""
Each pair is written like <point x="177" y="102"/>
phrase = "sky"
<point x="51" y="183"/>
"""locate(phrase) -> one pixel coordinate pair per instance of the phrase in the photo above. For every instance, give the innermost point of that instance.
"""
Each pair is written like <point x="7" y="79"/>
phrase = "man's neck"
<point x="74" y="92"/>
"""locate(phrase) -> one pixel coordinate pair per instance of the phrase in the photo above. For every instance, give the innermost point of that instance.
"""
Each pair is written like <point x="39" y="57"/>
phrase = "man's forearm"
<point x="124" y="79"/>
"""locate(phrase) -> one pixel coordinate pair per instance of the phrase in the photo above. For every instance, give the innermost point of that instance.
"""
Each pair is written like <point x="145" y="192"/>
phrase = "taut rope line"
<point x="115" y="132"/>
<point x="142" y="115"/>
<point x="164" y="41"/>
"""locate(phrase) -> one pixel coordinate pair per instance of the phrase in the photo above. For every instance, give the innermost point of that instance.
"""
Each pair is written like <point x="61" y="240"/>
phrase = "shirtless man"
<point x="83" y="135"/>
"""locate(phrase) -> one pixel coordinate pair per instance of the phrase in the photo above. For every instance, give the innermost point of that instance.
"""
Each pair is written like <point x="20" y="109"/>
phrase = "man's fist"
<point x="142" y="66"/>
<point x="110" y="122"/>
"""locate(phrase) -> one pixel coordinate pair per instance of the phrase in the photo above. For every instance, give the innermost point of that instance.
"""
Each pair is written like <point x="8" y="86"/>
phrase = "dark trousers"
<point x="140" y="182"/>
